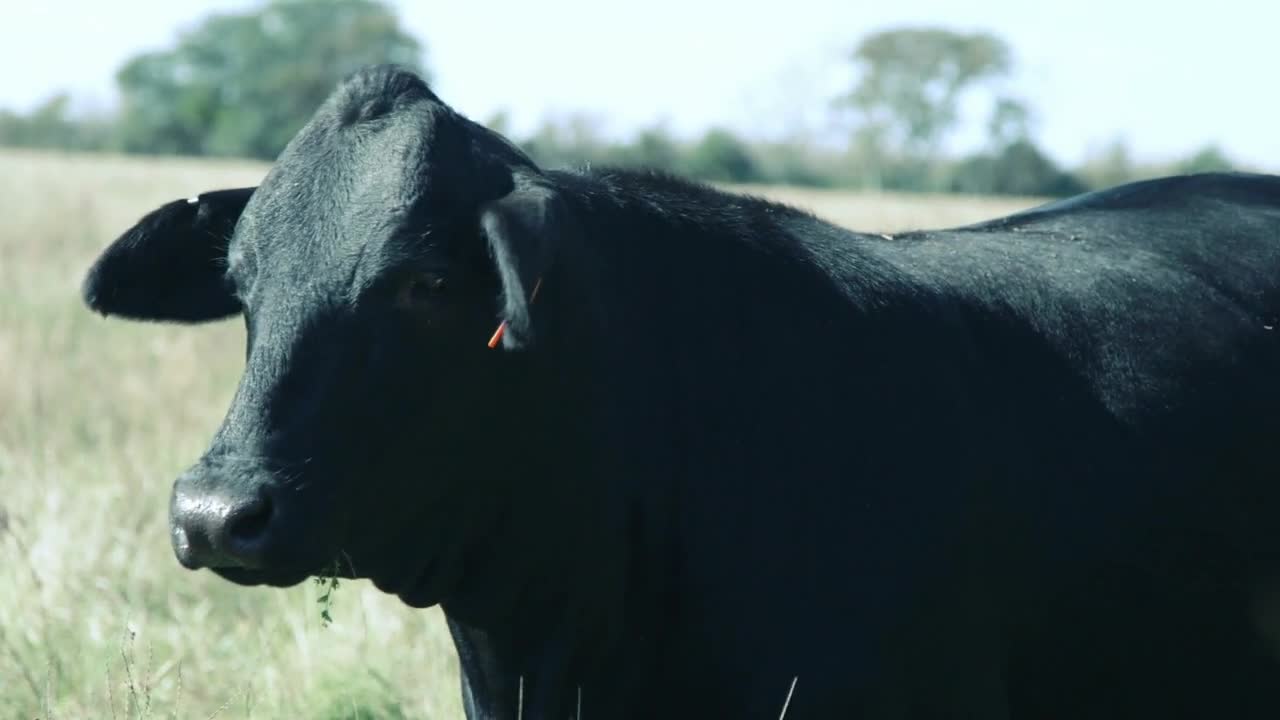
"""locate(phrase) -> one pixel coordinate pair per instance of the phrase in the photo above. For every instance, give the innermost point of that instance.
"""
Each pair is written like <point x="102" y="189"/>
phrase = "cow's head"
<point x="372" y="267"/>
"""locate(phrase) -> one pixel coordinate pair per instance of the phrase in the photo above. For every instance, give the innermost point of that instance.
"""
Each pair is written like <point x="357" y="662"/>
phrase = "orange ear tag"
<point x="502" y="327"/>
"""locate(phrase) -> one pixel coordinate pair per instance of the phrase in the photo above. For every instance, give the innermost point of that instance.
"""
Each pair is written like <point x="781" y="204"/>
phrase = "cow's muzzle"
<point x="222" y="524"/>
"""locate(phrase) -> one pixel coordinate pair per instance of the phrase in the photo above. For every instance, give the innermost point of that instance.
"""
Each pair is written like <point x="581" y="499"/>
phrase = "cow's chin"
<point x="423" y="583"/>
<point x="281" y="578"/>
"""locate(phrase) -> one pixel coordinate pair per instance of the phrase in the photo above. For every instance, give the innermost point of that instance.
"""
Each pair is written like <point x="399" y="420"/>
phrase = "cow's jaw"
<point x="272" y="578"/>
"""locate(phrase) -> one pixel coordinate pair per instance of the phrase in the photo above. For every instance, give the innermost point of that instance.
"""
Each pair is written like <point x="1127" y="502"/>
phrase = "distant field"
<point x="97" y="620"/>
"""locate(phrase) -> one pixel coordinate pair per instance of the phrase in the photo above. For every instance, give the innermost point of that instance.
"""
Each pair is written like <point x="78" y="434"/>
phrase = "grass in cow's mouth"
<point x="327" y="579"/>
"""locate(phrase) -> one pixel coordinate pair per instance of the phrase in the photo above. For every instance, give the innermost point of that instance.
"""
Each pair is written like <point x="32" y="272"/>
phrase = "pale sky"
<point x="1166" y="80"/>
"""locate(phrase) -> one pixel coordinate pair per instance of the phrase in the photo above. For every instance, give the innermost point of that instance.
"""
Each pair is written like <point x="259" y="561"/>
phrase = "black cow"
<point x="723" y="453"/>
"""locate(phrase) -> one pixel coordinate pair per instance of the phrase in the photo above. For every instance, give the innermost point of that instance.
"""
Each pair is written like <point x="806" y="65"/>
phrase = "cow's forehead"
<point x="340" y="191"/>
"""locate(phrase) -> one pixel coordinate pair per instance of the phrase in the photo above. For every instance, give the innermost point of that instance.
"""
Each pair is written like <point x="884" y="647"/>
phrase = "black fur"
<point x="1024" y="468"/>
<point x="169" y="266"/>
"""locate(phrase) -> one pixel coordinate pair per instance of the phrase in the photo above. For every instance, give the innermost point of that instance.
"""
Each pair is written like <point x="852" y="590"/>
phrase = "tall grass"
<point x="97" y="620"/>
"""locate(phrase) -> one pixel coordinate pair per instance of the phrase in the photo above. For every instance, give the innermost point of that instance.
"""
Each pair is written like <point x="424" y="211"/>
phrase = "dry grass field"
<point x="97" y="619"/>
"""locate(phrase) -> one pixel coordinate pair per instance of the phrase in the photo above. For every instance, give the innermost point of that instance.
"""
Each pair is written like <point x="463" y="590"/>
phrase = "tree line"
<point x="242" y="84"/>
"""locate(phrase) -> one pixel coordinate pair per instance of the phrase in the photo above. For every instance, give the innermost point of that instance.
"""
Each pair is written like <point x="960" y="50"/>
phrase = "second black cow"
<point x="723" y="452"/>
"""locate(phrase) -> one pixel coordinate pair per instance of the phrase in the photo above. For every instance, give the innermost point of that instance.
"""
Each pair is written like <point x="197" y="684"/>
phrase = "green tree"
<point x="869" y="152"/>
<point x="569" y="141"/>
<point x="245" y="83"/>
<point x="1019" y="168"/>
<point x="795" y="161"/>
<point x="1207" y="159"/>
<point x="499" y="122"/>
<point x="1113" y="166"/>
<point x="911" y="81"/>
<point x="53" y="124"/>
<point x="652" y="148"/>
<point x="1010" y="123"/>
<point x="721" y="157"/>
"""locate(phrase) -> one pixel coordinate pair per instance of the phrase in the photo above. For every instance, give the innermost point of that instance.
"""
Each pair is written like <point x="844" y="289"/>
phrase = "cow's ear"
<point x="171" y="265"/>
<point x="522" y="229"/>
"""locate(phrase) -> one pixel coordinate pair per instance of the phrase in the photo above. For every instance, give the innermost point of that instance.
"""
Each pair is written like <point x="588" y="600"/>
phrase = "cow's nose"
<point x="216" y="529"/>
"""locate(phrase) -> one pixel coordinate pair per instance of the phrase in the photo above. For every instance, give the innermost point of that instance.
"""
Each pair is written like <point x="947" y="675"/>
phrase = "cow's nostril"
<point x="248" y="523"/>
<point x="222" y="527"/>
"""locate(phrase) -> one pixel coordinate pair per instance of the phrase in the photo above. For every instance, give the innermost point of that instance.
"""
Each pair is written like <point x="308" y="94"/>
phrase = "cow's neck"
<point x="560" y="553"/>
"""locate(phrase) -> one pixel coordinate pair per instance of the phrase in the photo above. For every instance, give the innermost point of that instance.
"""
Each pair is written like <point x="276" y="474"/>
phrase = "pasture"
<point x="97" y="619"/>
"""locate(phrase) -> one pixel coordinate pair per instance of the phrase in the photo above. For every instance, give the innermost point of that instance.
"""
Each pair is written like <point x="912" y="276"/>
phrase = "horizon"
<point x="1196" y="82"/>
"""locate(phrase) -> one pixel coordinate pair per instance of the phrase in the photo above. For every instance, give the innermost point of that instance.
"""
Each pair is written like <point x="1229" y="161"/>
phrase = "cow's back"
<point x="1164" y="296"/>
<point x="1134" y="336"/>
<point x="1050" y="431"/>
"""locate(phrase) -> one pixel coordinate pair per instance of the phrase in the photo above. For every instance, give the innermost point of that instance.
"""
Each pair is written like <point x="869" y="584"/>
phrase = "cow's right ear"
<point x="171" y="265"/>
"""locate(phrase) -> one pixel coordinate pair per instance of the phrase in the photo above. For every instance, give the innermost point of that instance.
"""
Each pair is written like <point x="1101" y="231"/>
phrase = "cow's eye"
<point x="419" y="289"/>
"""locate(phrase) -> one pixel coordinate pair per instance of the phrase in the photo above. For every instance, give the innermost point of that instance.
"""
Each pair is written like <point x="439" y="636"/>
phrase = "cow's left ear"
<point x="171" y="265"/>
<point x="522" y="229"/>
